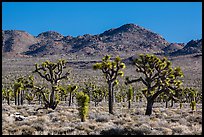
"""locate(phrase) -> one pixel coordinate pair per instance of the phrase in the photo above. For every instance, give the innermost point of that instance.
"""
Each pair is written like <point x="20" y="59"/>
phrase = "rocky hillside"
<point x="126" y="40"/>
<point x="173" y="47"/>
<point x="16" y="42"/>
<point x="193" y="46"/>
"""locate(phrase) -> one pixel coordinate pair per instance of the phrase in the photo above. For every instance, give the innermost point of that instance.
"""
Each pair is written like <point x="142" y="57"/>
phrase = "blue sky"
<point x="174" y="21"/>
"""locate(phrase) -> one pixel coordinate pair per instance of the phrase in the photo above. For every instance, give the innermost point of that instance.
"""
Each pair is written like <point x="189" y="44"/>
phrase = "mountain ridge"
<point x="126" y="39"/>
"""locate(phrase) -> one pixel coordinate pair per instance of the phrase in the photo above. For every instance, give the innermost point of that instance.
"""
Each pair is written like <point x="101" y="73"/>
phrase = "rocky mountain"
<point x="51" y="35"/>
<point x="193" y="46"/>
<point x="173" y="47"/>
<point x="126" y="40"/>
<point x="16" y="42"/>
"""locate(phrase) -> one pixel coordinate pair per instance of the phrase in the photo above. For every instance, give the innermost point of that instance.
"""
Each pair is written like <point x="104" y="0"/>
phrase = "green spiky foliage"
<point x="170" y="96"/>
<point x="192" y="96"/>
<point x="164" y="98"/>
<point x="182" y="97"/>
<point x="18" y="86"/>
<point x="71" y="89"/>
<point x="118" y="97"/>
<point x="53" y="74"/>
<point x="189" y="95"/>
<point x="180" y="105"/>
<point x="158" y="77"/>
<point x="29" y="97"/>
<point x="111" y="70"/>
<point x="98" y="95"/>
<point x="28" y="84"/>
<point x="193" y="105"/>
<point x="88" y="88"/>
<point x="45" y="92"/>
<point x="22" y="84"/>
<point x="129" y="96"/>
<point x="121" y="93"/>
<point x="62" y="93"/>
<point x="7" y="94"/>
<point x="138" y="96"/>
<point x="83" y="105"/>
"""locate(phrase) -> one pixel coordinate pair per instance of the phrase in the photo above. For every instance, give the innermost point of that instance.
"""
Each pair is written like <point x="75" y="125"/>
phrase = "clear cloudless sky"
<point x="174" y="21"/>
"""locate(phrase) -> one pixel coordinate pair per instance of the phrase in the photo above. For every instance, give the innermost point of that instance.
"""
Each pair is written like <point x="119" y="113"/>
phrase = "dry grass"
<point x="65" y="121"/>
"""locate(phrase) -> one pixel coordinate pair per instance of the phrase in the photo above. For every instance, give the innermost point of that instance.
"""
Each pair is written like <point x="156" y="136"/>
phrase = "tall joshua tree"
<point x="52" y="73"/>
<point x="158" y="77"/>
<point x="111" y="70"/>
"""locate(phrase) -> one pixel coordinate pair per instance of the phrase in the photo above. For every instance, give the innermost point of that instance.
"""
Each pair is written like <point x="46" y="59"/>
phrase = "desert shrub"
<point x="102" y="118"/>
<point x="39" y="127"/>
<point x="123" y="131"/>
<point x="162" y="131"/>
<point x="180" y="130"/>
<point x="27" y="130"/>
<point x="196" y="129"/>
<point x="13" y="130"/>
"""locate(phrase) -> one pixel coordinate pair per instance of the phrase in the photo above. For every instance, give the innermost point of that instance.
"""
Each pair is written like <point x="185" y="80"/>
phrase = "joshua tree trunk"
<point x="62" y="97"/>
<point x="172" y="102"/>
<point x="95" y="103"/>
<point x="15" y="98"/>
<point x="52" y="96"/>
<point x="110" y="99"/>
<point x="70" y="98"/>
<point x="82" y="118"/>
<point x="167" y="103"/>
<point x="39" y="99"/>
<point x="8" y="100"/>
<point x="22" y="95"/>
<point x="112" y="95"/>
<point x="18" y="97"/>
<point x="129" y="104"/>
<point x="150" y="103"/>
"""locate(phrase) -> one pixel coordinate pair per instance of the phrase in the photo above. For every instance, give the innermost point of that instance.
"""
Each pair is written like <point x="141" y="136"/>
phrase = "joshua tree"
<point x="29" y="97"/>
<point x="159" y="77"/>
<point x="83" y="105"/>
<point x="97" y="95"/>
<point x="52" y="73"/>
<point x="28" y="83"/>
<point x="7" y="93"/>
<point x="22" y="83"/>
<point x="18" y="86"/>
<point x="111" y="70"/>
<point x="122" y="93"/>
<point x="188" y="95"/>
<point x="138" y="96"/>
<point x="71" y="89"/>
<point x="192" y="95"/>
<point x="88" y="89"/>
<point x="129" y="96"/>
